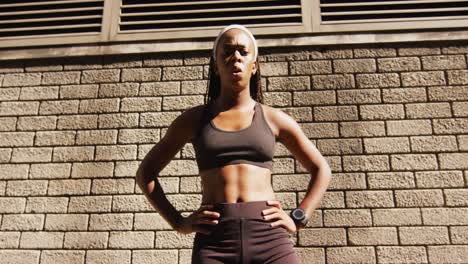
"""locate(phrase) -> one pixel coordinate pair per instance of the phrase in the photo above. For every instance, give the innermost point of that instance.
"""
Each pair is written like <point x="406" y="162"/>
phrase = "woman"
<point x="234" y="136"/>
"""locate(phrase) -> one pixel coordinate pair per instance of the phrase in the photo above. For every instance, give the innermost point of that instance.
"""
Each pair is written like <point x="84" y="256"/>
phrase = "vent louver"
<point x="37" y="18"/>
<point x="143" y="15"/>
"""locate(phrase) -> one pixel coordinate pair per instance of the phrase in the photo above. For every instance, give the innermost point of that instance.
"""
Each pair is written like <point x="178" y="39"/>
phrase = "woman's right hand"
<point x="196" y="221"/>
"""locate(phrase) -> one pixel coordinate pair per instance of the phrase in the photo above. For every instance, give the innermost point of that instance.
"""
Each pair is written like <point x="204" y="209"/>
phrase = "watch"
<point x="298" y="215"/>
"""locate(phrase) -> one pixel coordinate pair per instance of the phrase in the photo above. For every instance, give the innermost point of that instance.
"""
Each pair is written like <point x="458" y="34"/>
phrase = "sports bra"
<point x="215" y="147"/>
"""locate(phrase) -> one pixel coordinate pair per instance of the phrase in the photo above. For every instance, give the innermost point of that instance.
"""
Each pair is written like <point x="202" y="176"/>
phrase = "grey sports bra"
<point x="215" y="147"/>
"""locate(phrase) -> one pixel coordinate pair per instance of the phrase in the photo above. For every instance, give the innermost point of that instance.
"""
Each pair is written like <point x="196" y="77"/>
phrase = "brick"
<point x="118" y="90"/>
<point x="172" y="239"/>
<point x="188" y="202"/>
<point x="78" y="91"/>
<point x="415" y="51"/>
<point x="8" y="124"/>
<point x="335" y="113"/>
<point x="310" y="67"/>
<point x="362" y="129"/>
<point x="354" y="66"/>
<point x="373" y="236"/>
<point x="108" y="256"/>
<point x="5" y="155"/>
<point x="41" y="240"/>
<point x="444" y="216"/>
<point x="460" y="109"/>
<point x="291" y="182"/>
<point x="64" y="222"/>
<point x="150" y="221"/>
<point x="50" y="171"/>
<point x="12" y="205"/>
<point x="22" y="222"/>
<point x="350" y="255"/>
<point x="333" y="81"/>
<point x="90" y="204"/>
<point x="57" y="138"/>
<point x="330" y="53"/>
<point x="85" y="240"/>
<point x="181" y="102"/>
<point x="463" y="142"/>
<point x="453" y="161"/>
<point x="396" y="217"/>
<point x="399" y="64"/>
<point x="31" y="155"/>
<point x="382" y="111"/>
<point x="346" y="181"/>
<point x="330" y="200"/>
<point x="157" y="256"/>
<point x="96" y="137"/>
<point x="314" y="98"/>
<point x="182" y="73"/>
<point x="428" y="110"/>
<point x="299" y="114"/>
<point x="9" y="94"/>
<point x="73" y="153"/>
<point x="456" y="197"/>
<point x="9" y="240"/>
<point x="16" y="139"/>
<point x="366" y="163"/>
<point x="141" y="104"/>
<point x="457" y="77"/>
<point x="347" y="217"/>
<point x="414" y="162"/>
<point x="448" y="254"/>
<point x="455" y="49"/>
<point x="439" y="179"/>
<point x="163" y="119"/>
<point x="423" y="235"/>
<point x="193" y="184"/>
<point x="26" y="187"/>
<point x="39" y="93"/>
<point x="433" y="143"/>
<point x="432" y="78"/>
<point x="443" y="62"/>
<point x="92" y="170"/>
<point x="124" y="152"/>
<point x="12" y="66"/>
<point x="358" y="96"/>
<point x="274" y="69"/>
<point x="288" y="83"/>
<point x="131" y="239"/>
<point x="100" y="76"/>
<point x="18" y="108"/>
<point x="119" y="120"/>
<point x="419" y="198"/>
<point x="189" y="87"/>
<point x="397" y="254"/>
<point x="366" y="199"/>
<point x="69" y="77"/>
<point x="451" y="126"/>
<point x="69" y="187"/>
<point x="99" y="105"/>
<point x="404" y="95"/>
<point x="322" y="237"/>
<point x="159" y="59"/>
<point x="141" y="75"/>
<point x="126" y="168"/>
<point x="339" y="146"/>
<point x="378" y="80"/>
<point x="408" y="127"/>
<point x="458" y="234"/>
<point x="47" y="205"/>
<point x="113" y="186"/>
<point x="131" y="203"/>
<point x="447" y="93"/>
<point x="374" y="52"/>
<point x="390" y="180"/>
<point x="278" y="99"/>
<point x="37" y="123"/>
<point x="77" y="122"/>
<point x="179" y="168"/>
<point x="22" y="79"/>
<point x="105" y="222"/>
<point x="19" y="256"/>
<point x="386" y="145"/>
<point x="62" y="256"/>
<point x="161" y="88"/>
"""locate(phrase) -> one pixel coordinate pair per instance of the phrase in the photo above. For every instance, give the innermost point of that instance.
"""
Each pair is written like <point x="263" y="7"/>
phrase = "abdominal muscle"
<point x="236" y="183"/>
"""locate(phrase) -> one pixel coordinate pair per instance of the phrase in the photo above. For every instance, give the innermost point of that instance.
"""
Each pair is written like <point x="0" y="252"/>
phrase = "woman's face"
<point x="235" y="62"/>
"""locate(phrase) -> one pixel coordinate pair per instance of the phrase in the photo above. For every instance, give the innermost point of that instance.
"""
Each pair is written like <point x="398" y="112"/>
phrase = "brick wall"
<point x="392" y="121"/>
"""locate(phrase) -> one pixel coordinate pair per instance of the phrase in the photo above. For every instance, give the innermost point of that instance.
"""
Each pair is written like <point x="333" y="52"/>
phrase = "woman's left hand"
<point x="277" y="213"/>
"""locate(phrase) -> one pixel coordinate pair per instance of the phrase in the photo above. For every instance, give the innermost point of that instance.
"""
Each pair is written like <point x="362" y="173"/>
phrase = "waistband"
<point x="251" y="210"/>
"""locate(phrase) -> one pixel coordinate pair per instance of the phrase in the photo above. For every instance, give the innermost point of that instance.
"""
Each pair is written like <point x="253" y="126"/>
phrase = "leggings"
<point x="242" y="236"/>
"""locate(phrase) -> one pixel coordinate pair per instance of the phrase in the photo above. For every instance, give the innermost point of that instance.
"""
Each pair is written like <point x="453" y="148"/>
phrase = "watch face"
<point x="298" y="214"/>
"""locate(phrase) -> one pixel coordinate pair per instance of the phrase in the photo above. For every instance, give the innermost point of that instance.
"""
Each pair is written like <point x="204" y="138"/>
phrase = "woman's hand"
<point x="195" y="221"/>
<point x="277" y="213"/>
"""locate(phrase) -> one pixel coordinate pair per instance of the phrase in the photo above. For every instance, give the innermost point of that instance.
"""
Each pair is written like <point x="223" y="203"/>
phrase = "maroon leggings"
<point x="242" y="236"/>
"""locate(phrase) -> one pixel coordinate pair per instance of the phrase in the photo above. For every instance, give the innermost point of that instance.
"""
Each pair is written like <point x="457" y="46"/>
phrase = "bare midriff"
<point x="236" y="183"/>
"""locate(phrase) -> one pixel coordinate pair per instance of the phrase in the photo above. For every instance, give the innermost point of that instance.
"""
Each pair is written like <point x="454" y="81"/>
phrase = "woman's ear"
<point x="254" y="67"/>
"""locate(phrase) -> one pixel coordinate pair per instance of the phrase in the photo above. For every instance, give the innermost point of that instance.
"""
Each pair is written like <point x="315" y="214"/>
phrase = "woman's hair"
<point x="214" y="84"/>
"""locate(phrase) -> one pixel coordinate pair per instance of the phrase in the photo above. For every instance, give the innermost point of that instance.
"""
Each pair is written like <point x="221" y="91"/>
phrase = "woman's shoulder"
<point x="277" y="118"/>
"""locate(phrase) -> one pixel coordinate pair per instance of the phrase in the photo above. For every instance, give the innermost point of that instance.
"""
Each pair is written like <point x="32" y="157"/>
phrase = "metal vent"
<point x="164" y="15"/>
<point x="21" y="18"/>
<point x="368" y="11"/>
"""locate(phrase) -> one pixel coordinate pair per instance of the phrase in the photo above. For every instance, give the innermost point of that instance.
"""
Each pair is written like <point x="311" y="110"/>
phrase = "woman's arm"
<point x="177" y="135"/>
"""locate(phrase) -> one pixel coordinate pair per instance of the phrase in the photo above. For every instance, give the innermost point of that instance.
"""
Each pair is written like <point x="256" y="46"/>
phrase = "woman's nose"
<point x="237" y="56"/>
